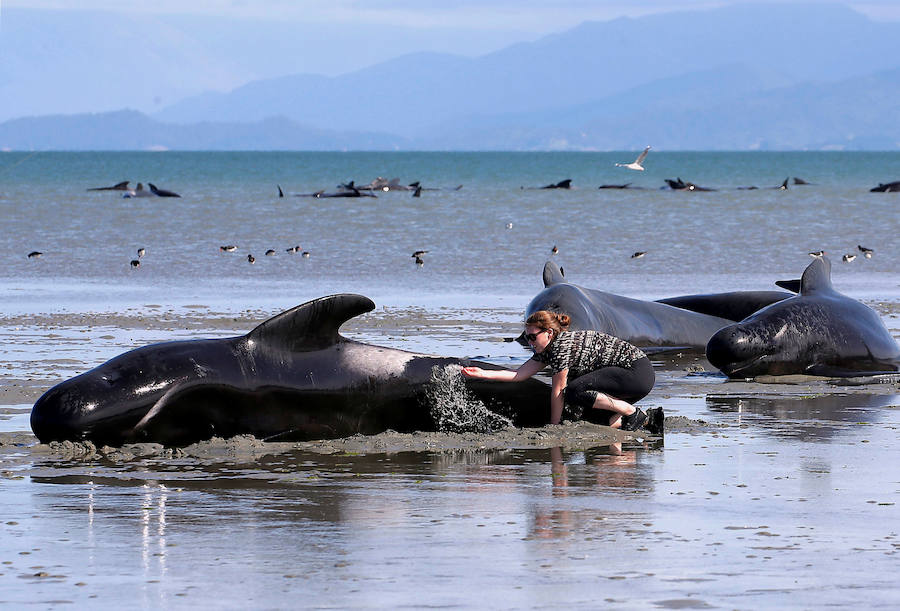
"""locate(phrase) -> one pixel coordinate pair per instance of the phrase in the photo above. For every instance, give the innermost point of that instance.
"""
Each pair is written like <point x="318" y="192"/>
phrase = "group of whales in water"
<point x="295" y="377"/>
<point x="677" y="184"/>
<point x="350" y="189"/>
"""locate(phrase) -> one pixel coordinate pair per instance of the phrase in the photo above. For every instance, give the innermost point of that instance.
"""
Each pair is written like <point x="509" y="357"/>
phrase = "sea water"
<point x="487" y="242"/>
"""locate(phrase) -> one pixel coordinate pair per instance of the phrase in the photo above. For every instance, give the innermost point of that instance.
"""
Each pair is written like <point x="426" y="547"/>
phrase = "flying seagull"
<point x="636" y="164"/>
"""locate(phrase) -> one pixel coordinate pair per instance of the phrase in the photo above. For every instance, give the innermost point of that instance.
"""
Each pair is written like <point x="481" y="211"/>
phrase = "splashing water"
<point x="454" y="408"/>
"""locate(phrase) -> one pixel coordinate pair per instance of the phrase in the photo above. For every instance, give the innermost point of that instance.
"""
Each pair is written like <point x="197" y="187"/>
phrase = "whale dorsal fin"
<point x="790" y="285"/>
<point x="553" y="274"/>
<point x="816" y="276"/>
<point x="313" y="325"/>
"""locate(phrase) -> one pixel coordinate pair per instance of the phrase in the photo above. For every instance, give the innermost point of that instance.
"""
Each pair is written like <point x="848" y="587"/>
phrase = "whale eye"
<point x="110" y="378"/>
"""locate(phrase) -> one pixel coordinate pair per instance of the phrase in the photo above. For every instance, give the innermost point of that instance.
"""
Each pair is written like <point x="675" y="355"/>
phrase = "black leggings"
<point x="629" y="384"/>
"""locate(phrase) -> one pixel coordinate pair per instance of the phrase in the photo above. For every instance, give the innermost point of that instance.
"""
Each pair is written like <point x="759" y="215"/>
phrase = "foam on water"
<point x="454" y="408"/>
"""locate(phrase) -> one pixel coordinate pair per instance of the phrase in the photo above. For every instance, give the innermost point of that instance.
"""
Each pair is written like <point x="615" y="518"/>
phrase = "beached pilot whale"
<point x="293" y="377"/>
<point x="643" y="323"/>
<point x="684" y="321"/>
<point x="816" y="332"/>
<point x="733" y="305"/>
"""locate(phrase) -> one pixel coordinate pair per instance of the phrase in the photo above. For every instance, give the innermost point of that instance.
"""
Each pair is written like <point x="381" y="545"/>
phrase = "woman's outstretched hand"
<point x="472" y="372"/>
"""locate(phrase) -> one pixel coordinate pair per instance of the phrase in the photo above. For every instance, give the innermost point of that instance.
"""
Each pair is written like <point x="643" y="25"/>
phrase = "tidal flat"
<point x="760" y="494"/>
<point x="775" y="495"/>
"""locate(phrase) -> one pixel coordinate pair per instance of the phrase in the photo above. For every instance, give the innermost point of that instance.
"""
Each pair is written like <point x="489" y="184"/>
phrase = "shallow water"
<point x="785" y="499"/>
<point x="709" y="241"/>
<point x="769" y="510"/>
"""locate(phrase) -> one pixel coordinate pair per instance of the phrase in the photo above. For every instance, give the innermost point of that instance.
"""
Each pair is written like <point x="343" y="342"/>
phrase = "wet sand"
<point x="778" y="494"/>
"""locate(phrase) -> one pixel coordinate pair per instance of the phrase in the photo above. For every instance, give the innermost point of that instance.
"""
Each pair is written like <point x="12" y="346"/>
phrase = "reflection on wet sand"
<point x="808" y="418"/>
<point x="153" y="530"/>
<point x="606" y="471"/>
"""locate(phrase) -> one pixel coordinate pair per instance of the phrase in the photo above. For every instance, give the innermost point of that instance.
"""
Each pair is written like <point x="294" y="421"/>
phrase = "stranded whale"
<point x="817" y="332"/>
<point x="293" y="377"/>
<point x="683" y="321"/>
<point x="643" y="323"/>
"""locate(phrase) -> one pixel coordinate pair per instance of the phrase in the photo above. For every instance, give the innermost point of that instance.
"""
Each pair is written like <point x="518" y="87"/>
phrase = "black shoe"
<point x="656" y="421"/>
<point x="634" y="421"/>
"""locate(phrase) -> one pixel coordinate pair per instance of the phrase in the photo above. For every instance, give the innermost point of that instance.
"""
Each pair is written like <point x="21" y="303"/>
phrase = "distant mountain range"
<point x="129" y="130"/>
<point x="754" y="76"/>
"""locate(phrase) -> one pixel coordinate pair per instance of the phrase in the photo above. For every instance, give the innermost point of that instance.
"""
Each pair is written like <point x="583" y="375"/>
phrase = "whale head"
<point x="104" y="404"/>
<point x="817" y="332"/>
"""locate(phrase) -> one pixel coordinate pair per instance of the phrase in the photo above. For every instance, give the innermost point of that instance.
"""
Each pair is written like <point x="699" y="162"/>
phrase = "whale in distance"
<point x="119" y="186"/>
<point x="161" y="192"/>
<point x="138" y="191"/>
<point x="891" y="187"/>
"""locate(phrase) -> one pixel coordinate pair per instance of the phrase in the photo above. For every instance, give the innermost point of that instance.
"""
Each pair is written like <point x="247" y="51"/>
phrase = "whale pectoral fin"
<point x="193" y="412"/>
<point x="164" y="423"/>
<point x="196" y="412"/>
<point x="553" y="274"/>
<point x="313" y="325"/>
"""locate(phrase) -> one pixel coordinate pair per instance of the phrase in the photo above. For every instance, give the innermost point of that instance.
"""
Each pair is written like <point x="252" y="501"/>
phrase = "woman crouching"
<point x="591" y="371"/>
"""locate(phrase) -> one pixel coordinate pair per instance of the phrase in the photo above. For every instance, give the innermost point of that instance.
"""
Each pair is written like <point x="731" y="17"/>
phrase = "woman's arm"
<point x="525" y="371"/>
<point x="557" y="395"/>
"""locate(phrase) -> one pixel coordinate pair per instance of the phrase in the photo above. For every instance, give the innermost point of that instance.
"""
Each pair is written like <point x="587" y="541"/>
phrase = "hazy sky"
<point x="529" y="16"/>
<point x="172" y="49"/>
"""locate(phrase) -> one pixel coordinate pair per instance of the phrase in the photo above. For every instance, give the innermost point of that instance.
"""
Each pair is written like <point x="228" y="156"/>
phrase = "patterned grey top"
<point x="582" y="352"/>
